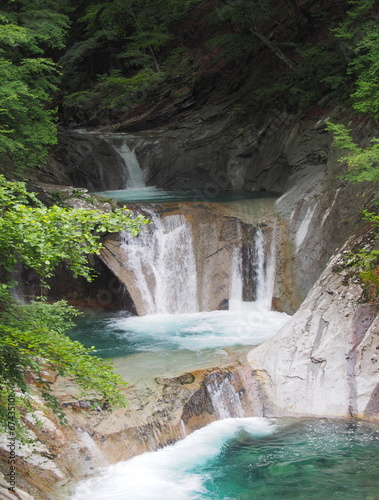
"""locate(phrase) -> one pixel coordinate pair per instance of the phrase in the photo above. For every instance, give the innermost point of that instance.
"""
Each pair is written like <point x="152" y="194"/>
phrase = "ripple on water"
<point x="251" y="458"/>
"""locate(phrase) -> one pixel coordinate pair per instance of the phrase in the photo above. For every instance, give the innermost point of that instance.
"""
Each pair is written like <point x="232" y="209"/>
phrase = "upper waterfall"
<point x="134" y="175"/>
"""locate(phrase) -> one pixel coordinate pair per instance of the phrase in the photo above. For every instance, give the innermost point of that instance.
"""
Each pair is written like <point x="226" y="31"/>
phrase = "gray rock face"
<point x="324" y="362"/>
<point x="213" y="150"/>
<point x="89" y="161"/>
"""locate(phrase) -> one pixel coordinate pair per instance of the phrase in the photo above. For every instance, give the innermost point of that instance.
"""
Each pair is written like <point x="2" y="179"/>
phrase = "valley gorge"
<point x="189" y="258"/>
<point x="321" y="363"/>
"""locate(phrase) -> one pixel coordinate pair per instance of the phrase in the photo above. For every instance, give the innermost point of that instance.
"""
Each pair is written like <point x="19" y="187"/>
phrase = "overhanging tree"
<point x="33" y="335"/>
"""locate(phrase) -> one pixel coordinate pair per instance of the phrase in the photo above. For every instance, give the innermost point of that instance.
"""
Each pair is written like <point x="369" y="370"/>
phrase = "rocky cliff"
<point x="215" y="149"/>
<point x="324" y="361"/>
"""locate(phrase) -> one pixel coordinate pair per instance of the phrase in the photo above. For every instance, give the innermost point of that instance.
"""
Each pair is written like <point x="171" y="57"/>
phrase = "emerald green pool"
<point x="251" y="459"/>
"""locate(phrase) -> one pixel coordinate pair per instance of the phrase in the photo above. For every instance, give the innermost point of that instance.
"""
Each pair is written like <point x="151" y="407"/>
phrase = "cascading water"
<point x="261" y="258"/>
<point x="236" y="285"/>
<point x="241" y="458"/>
<point x="87" y="442"/>
<point x="134" y="174"/>
<point x="174" y="337"/>
<point x="224" y="398"/>
<point x="163" y="262"/>
<point x="264" y="268"/>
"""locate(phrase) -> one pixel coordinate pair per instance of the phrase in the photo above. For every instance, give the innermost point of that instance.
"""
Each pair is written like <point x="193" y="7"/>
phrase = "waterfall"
<point x="264" y="268"/>
<point x="95" y="452"/>
<point x="162" y="260"/>
<point x="261" y="258"/>
<point x="134" y="174"/>
<point x="225" y="400"/>
<point x="236" y="286"/>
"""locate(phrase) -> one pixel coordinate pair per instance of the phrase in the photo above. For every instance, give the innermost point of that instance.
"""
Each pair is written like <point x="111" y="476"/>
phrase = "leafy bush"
<point x="34" y="334"/>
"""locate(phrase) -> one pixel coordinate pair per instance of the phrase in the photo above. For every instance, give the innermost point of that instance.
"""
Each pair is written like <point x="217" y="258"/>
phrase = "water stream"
<point x="174" y="335"/>
<point x="134" y="174"/>
<point x="251" y="458"/>
<point x="164" y="265"/>
<point x="234" y="458"/>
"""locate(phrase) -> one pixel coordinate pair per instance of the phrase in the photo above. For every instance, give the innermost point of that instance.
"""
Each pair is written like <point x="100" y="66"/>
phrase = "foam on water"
<point x="247" y="324"/>
<point x="152" y="194"/>
<point x="166" y="474"/>
<point x="241" y="458"/>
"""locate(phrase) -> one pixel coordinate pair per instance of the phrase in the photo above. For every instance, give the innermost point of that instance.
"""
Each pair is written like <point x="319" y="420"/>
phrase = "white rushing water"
<point x="225" y="400"/>
<point x="265" y="268"/>
<point x="262" y="256"/>
<point x="247" y="325"/>
<point x="134" y="174"/>
<point x="166" y="474"/>
<point x="95" y="452"/>
<point x="163" y="262"/>
<point x="236" y="286"/>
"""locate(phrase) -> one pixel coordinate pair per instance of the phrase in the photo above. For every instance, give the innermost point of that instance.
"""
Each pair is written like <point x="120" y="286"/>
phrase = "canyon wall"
<point x="214" y="149"/>
<point x="324" y="361"/>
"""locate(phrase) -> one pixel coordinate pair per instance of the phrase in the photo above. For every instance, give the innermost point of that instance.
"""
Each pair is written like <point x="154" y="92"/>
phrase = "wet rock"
<point x="324" y="361"/>
<point x="160" y="412"/>
<point x="216" y="230"/>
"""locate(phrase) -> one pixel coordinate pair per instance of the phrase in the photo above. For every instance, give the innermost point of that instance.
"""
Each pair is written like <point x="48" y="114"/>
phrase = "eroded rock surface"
<point x="324" y="362"/>
<point x="161" y="410"/>
<point x="213" y="149"/>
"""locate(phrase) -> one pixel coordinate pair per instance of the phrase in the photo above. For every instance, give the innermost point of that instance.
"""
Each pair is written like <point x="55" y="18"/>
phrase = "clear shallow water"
<point x="121" y="335"/>
<point x="156" y="195"/>
<point x="251" y="458"/>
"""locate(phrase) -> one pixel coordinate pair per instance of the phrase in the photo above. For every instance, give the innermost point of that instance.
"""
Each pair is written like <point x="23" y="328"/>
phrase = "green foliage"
<point x="352" y="24"/>
<point x="318" y="72"/>
<point x="42" y="237"/>
<point x="365" y="66"/>
<point x="362" y="163"/>
<point x="235" y="46"/>
<point x="363" y="166"/>
<point x="27" y="81"/>
<point x="120" y="92"/>
<point x="78" y="60"/>
<point x="360" y="30"/>
<point x="244" y="20"/>
<point x="116" y="92"/>
<point x="33" y="337"/>
<point x="124" y="53"/>
<point x="34" y="334"/>
<point x="368" y="262"/>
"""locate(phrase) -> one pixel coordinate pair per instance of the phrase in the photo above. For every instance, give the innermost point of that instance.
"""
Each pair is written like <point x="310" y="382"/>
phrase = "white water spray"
<point x="134" y="174"/>
<point x="224" y="398"/>
<point x="265" y="269"/>
<point x="95" y="452"/>
<point x="168" y="474"/>
<point x="236" y="286"/>
<point x="263" y="257"/>
<point x="163" y="262"/>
